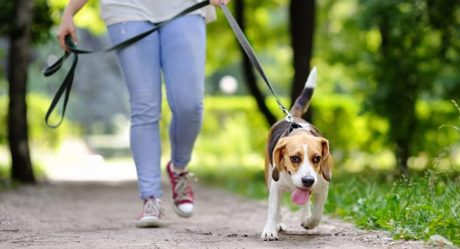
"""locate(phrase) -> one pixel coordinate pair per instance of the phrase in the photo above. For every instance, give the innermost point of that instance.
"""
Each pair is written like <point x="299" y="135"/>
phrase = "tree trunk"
<point x="302" y="26"/>
<point x="248" y="71"/>
<point x="19" y="57"/>
<point x="400" y="98"/>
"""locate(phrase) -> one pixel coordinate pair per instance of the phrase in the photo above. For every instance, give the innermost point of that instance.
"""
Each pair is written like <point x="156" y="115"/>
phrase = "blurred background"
<point x="387" y="98"/>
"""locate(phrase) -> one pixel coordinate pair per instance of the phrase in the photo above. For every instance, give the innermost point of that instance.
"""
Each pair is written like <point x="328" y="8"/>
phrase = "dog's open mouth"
<point x="300" y="196"/>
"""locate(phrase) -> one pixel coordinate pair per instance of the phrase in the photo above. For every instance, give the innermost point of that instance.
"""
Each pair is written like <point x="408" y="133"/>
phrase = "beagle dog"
<point x="298" y="160"/>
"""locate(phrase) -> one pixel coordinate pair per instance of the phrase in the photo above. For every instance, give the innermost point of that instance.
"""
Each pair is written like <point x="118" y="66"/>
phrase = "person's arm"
<point x="218" y="2"/>
<point x="67" y="25"/>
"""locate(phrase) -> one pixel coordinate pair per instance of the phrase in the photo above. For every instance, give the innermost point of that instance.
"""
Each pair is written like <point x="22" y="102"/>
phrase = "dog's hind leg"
<point x="312" y="221"/>
<point x="305" y="211"/>
<point x="270" y="231"/>
<point x="281" y="227"/>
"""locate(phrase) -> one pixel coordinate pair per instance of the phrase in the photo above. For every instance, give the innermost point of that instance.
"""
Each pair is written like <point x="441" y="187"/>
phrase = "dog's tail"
<point x="303" y="101"/>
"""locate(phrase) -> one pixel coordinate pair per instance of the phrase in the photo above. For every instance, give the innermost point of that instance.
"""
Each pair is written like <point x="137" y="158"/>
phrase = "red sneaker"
<point x="182" y="191"/>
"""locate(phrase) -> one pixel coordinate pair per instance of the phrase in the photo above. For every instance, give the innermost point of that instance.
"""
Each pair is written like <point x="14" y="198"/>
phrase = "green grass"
<point x="413" y="209"/>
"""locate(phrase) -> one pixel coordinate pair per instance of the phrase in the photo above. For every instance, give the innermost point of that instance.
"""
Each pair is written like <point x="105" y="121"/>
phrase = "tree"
<point x="400" y="52"/>
<point x="19" y="57"/>
<point x="408" y="61"/>
<point x="22" y="28"/>
<point x="302" y="29"/>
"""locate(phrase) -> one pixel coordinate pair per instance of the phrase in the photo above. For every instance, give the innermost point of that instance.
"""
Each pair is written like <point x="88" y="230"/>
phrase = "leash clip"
<point x="289" y="118"/>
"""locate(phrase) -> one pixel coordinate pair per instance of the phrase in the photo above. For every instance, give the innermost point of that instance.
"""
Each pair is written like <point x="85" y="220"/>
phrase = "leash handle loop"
<point x="64" y="88"/>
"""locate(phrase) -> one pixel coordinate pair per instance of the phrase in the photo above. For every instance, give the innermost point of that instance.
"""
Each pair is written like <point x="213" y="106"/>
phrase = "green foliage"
<point x="266" y="30"/>
<point x="234" y="133"/>
<point x="432" y="115"/>
<point x="87" y="18"/>
<point x="358" y="140"/>
<point x="41" y="23"/>
<point x="241" y="178"/>
<point x="413" y="208"/>
<point x="391" y="55"/>
<point x="39" y="133"/>
<point x="4" y="177"/>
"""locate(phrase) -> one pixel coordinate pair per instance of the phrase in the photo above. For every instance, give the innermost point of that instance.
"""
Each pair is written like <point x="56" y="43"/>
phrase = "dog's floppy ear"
<point x="327" y="161"/>
<point x="278" y="159"/>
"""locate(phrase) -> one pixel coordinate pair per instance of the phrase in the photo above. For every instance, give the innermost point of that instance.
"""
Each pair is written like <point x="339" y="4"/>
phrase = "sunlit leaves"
<point x="88" y="17"/>
<point x="40" y="25"/>
<point x="267" y="31"/>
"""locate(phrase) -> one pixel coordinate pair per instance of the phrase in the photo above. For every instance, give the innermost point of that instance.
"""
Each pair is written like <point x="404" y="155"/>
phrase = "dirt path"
<point x="101" y="215"/>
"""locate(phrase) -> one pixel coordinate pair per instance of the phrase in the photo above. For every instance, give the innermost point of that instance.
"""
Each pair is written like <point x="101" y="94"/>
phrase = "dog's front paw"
<point x="311" y="223"/>
<point x="269" y="234"/>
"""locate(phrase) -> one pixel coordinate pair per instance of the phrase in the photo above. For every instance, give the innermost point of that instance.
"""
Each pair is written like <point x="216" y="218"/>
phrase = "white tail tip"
<point x="311" y="81"/>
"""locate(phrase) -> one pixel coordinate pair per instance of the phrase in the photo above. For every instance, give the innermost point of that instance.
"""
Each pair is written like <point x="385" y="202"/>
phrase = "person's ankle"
<point x="178" y="170"/>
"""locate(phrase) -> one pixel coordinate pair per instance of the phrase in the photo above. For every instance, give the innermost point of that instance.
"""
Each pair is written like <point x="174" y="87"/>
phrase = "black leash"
<point x="66" y="85"/>
<point x="252" y="57"/>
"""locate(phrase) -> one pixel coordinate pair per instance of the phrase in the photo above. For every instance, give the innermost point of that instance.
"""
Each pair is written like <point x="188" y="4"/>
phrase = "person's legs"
<point x="183" y="43"/>
<point x="140" y="65"/>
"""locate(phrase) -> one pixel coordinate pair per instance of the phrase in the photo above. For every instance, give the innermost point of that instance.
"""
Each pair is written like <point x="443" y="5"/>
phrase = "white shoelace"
<point x="182" y="187"/>
<point x="152" y="208"/>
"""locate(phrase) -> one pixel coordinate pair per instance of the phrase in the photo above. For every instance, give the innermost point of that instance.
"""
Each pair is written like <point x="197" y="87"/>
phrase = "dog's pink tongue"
<point x="300" y="196"/>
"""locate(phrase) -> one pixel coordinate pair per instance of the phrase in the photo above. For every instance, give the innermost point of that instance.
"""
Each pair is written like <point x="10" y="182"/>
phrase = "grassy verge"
<point x="415" y="208"/>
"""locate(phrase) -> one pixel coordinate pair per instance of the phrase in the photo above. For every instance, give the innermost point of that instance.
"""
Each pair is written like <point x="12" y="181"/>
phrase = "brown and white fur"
<point x="296" y="158"/>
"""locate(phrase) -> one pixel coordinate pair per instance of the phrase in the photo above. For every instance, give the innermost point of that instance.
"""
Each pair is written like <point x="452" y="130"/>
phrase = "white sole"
<point x="149" y="221"/>
<point x="182" y="214"/>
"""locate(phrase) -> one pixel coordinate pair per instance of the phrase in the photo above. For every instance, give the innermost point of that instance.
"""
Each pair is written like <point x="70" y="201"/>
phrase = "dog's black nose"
<point x="308" y="181"/>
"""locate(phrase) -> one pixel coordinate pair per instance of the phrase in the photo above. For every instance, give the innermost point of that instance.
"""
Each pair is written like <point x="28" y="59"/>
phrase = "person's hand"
<point x="67" y="27"/>
<point x="218" y="2"/>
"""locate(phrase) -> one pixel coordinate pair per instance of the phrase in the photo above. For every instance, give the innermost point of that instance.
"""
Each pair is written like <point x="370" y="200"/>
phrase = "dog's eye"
<point x="316" y="159"/>
<point x="295" y="159"/>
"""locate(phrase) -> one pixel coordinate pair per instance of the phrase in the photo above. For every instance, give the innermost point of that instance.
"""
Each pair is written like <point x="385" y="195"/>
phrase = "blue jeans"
<point x="178" y="51"/>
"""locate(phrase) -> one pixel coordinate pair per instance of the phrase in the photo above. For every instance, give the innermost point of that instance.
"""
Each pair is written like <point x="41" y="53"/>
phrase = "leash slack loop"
<point x="66" y="85"/>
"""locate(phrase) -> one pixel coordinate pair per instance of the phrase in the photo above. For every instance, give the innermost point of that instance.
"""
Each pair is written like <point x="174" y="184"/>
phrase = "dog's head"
<point x="304" y="157"/>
